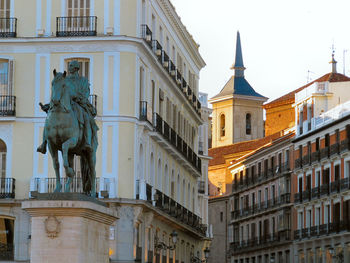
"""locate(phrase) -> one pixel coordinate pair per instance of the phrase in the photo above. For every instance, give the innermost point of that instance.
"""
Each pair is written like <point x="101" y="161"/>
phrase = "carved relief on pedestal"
<point x="52" y="226"/>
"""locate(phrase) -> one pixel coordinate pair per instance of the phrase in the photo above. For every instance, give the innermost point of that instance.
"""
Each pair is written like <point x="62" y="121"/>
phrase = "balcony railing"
<point x="344" y="145"/>
<point x="298" y="197"/>
<point x="335" y="149"/>
<point x="174" y="139"/>
<point x="7" y="105"/>
<point x="93" y="100"/>
<point x="201" y="187"/>
<point x="7" y="188"/>
<point x="146" y="34"/>
<point x="306" y="159"/>
<point x="146" y="113"/>
<point x="335" y="186"/>
<point x="8" y="27"/>
<point x="322" y="230"/>
<point x="315" y="157"/>
<point x="264" y="241"/>
<point x="262" y="207"/>
<point x="315" y="192"/>
<point x="169" y="66"/>
<point x="48" y="185"/>
<point x="324" y="153"/>
<point x="179" y="212"/>
<point x="298" y="163"/>
<point x="76" y="26"/>
<point x="324" y="189"/>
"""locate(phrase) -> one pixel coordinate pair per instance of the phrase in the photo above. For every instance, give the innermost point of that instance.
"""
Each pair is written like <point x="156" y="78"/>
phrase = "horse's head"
<point x="58" y="87"/>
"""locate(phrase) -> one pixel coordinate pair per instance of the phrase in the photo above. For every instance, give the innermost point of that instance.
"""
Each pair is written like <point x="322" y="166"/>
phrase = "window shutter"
<point x="10" y="78"/>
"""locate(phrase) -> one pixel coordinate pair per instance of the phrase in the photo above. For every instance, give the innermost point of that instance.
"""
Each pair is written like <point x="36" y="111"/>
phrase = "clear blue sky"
<point x="281" y="40"/>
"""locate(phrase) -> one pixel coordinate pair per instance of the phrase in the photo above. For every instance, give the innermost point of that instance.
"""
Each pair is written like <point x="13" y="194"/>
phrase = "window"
<point x="222" y="125"/>
<point x="78" y="8"/>
<point x="84" y="64"/>
<point x="248" y="124"/>
<point x="3" y="151"/>
<point x="6" y="77"/>
<point x="7" y="237"/>
<point x="221" y="216"/>
<point x="4" y="9"/>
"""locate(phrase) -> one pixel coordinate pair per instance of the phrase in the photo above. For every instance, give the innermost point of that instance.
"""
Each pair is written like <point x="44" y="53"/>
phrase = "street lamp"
<point x="195" y="259"/>
<point x="161" y="245"/>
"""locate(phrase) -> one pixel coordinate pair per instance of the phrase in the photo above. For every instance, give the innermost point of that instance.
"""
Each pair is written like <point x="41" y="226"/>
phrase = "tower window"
<point x="222" y="125"/>
<point x="248" y="124"/>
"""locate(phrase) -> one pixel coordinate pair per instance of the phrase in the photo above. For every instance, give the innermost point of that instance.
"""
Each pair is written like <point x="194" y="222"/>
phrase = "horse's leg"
<point x="69" y="179"/>
<point x="56" y="166"/>
<point x="66" y="146"/>
<point x="92" y="162"/>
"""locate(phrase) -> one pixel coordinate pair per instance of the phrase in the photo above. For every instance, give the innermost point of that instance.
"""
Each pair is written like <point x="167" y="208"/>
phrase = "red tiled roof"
<point x="218" y="153"/>
<point x="289" y="98"/>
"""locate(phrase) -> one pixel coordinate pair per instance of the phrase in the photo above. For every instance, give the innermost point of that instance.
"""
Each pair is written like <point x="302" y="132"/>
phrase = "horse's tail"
<point x="85" y="173"/>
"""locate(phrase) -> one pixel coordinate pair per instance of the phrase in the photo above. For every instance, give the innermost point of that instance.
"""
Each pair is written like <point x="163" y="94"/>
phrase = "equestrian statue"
<point x="70" y="127"/>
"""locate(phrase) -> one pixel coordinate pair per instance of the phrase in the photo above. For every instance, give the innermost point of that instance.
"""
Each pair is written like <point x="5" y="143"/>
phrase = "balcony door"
<point x="78" y="12"/>
<point x="6" y="239"/>
<point x="5" y="8"/>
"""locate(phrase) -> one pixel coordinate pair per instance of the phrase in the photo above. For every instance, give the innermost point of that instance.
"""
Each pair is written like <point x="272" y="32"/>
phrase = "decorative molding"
<point x="52" y="226"/>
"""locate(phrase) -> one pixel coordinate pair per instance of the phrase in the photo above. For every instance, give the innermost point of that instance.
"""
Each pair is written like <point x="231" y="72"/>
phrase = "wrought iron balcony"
<point x="324" y="189"/>
<point x="335" y="186"/>
<point x="335" y="149"/>
<point x="298" y="163"/>
<point x="324" y="153"/>
<point x="165" y="61"/>
<point x="298" y="197"/>
<point x="7" y="105"/>
<point x="306" y="159"/>
<point x="201" y="187"/>
<point x="146" y="34"/>
<point x="307" y="195"/>
<point x="315" y="192"/>
<point x="48" y="185"/>
<point x="315" y="156"/>
<point x="93" y="100"/>
<point x="344" y="145"/>
<point x="7" y="188"/>
<point x="8" y="27"/>
<point x="76" y="26"/>
<point x="344" y="184"/>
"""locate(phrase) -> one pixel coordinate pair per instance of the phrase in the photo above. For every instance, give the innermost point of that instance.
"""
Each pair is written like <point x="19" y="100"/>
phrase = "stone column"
<point x="69" y="230"/>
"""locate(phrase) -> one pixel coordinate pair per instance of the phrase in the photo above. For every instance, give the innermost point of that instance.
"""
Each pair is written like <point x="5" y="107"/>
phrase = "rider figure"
<point x="87" y="111"/>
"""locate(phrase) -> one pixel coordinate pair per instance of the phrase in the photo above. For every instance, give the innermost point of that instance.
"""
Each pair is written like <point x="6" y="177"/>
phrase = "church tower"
<point x="237" y="109"/>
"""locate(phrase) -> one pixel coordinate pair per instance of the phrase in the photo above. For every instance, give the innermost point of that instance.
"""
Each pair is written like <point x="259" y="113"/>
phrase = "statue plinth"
<point x="69" y="230"/>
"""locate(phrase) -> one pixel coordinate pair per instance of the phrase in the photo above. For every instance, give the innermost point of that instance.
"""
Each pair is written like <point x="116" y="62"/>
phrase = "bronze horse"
<point x="64" y="133"/>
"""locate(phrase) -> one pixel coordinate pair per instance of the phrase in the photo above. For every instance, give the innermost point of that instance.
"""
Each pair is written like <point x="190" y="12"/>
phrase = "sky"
<point x="285" y="43"/>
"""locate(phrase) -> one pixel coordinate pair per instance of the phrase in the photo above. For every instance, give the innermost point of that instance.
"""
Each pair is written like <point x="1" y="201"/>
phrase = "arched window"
<point x="178" y="188"/>
<point x="166" y="180"/>
<point x="3" y="151"/>
<point x="151" y="173"/>
<point x="183" y="192"/>
<point x="188" y="196"/>
<point x="159" y="175"/>
<point x="248" y="124"/>
<point x="222" y="125"/>
<point x="172" y="185"/>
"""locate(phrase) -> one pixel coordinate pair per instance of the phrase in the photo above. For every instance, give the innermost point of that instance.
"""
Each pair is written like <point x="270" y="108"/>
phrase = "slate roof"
<point x="237" y="86"/>
<point x="289" y="98"/>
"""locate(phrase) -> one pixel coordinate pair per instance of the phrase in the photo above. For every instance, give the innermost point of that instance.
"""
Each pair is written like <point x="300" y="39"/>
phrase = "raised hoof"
<point x="58" y="188"/>
<point x="41" y="149"/>
<point x="88" y="148"/>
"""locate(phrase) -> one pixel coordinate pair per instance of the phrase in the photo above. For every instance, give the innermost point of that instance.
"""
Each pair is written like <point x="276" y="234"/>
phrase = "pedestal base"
<point x="69" y="231"/>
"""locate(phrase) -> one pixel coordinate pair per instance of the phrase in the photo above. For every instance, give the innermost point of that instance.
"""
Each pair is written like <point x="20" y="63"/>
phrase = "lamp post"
<point x="195" y="259"/>
<point x="159" y="245"/>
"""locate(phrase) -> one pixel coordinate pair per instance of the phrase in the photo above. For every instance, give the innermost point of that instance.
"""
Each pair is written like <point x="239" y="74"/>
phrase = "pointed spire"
<point x="238" y="66"/>
<point x="334" y="63"/>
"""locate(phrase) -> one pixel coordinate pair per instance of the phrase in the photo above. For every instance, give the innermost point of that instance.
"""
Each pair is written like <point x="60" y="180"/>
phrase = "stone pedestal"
<point x="69" y="230"/>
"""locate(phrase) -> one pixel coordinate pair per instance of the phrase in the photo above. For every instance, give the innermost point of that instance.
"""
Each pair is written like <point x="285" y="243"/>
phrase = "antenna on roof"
<point x="308" y="76"/>
<point x="344" y="51"/>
